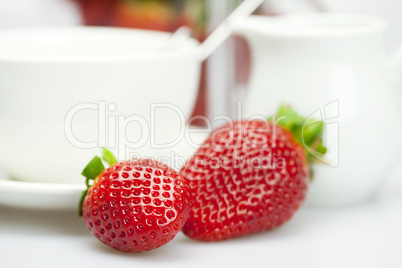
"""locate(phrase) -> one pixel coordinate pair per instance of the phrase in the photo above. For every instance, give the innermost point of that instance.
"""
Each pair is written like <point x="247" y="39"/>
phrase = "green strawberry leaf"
<point x="306" y="131"/>
<point x="93" y="169"/>
<point x="90" y="172"/>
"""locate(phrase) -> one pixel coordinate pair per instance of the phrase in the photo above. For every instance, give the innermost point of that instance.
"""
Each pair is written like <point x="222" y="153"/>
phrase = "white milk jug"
<point x="333" y="67"/>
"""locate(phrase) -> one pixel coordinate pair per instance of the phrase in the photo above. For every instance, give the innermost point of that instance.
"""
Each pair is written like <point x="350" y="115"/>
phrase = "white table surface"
<point x="368" y="235"/>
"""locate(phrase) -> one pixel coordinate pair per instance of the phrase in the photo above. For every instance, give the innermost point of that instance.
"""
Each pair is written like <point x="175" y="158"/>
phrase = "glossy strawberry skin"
<point x="247" y="177"/>
<point x="136" y="205"/>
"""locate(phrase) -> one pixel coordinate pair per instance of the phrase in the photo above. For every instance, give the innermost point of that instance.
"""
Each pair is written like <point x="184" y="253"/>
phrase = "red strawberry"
<point x="135" y="205"/>
<point x="249" y="176"/>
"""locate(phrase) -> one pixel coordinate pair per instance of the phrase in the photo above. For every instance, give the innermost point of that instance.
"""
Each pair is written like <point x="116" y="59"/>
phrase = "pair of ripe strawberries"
<point x="247" y="177"/>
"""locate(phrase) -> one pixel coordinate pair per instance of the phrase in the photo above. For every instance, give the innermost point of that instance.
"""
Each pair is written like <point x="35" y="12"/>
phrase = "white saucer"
<point x="44" y="196"/>
<point x="57" y="196"/>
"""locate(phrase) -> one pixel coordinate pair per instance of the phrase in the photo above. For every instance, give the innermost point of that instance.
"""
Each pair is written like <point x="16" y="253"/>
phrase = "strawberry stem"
<point x="306" y="131"/>
<point x="108" y="156"/>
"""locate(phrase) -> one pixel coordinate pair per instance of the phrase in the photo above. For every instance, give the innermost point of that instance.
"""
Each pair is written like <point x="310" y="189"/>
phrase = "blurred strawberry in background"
<point x="152" y="15"/>
<point x="96" y="12"/>
<point x="160" y="15"/>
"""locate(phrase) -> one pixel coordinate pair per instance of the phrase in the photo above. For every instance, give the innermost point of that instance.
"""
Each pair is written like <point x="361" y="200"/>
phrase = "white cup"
<point x="64" y="92"/>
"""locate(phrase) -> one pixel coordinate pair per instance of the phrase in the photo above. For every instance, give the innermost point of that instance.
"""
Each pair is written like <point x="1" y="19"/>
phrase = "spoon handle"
<point x="223" y="31"/>
<point x="177" y="38"/>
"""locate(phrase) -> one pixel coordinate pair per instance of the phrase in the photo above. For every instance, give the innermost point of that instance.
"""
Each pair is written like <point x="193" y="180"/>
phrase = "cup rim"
<point x="188" y="47"/>
<point x="315" y="24"/>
